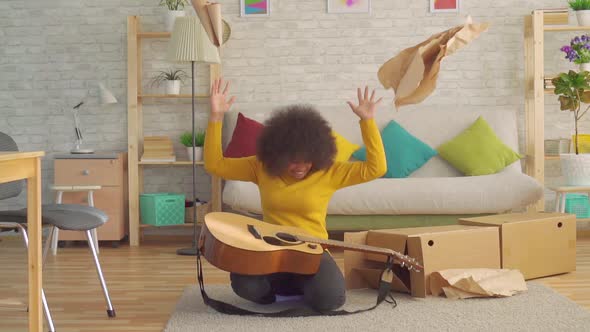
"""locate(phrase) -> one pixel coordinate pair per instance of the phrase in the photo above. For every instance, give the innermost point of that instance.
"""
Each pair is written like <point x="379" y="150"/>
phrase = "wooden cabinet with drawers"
<point x="108" y="170"/>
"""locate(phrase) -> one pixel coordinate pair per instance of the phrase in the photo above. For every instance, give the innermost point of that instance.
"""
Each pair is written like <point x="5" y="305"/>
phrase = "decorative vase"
<point x="585" y="66"/>
<point x="173" y="87"/>
<point x="198" y="153"/>
<point x="583" y="17"/>
<point x="575" y="169"/>
<point x="171" y="16"/>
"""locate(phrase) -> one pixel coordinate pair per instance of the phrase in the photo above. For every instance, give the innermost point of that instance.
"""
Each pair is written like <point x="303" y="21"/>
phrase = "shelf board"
<point x="154" y="34"/>
<point x="552" y="158"/>
<point x="583" y="220"/>
<point x="566" y="28"/>
<point x="171" y="163"/>
<point x="161" y="96"/>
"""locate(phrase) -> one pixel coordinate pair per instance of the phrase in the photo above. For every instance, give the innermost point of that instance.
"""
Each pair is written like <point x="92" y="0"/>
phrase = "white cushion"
<point x="494" y="193"/>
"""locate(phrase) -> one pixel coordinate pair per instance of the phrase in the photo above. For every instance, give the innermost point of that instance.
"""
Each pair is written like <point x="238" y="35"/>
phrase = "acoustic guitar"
<point x="244" y="245"/>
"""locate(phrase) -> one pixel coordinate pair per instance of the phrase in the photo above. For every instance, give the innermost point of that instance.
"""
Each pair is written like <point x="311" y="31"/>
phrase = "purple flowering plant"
<point x="578" y="51"/>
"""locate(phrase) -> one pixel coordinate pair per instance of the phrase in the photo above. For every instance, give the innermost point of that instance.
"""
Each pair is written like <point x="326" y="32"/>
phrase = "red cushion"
<point x="243" y="141"/>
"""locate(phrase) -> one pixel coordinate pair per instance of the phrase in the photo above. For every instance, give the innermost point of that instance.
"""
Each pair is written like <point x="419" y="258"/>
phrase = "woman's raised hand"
<point x="218" y="100"/>
<point x="367" y="106"/>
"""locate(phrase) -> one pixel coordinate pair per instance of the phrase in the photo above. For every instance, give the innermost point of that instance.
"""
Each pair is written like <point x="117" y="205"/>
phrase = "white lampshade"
<point x="105" y="96"/>
<point x="189" y="42"/>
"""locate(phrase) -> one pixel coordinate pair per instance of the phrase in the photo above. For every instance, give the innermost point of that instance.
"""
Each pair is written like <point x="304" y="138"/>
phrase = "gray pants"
<point x="324" y="290"/>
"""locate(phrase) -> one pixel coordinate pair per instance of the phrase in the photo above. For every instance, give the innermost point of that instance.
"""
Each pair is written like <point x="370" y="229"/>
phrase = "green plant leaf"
<point x="186" y="138"/>
<point x="562" y="90"/>
<point x="565" y="103"/>
<point x="174" y="4"/>
<point x="170" y="75"/>
<point x="579" y="4"/>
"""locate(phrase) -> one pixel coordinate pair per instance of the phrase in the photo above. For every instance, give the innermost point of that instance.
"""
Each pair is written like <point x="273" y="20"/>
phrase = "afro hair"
<point x="295" y="133"/>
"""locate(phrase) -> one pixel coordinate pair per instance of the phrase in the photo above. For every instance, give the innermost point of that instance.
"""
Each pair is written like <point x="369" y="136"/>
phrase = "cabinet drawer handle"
<point x="85" y="172"/>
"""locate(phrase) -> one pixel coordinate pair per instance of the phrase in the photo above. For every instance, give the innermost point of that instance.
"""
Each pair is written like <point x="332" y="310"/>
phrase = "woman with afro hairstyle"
<point x="296" y="174"/>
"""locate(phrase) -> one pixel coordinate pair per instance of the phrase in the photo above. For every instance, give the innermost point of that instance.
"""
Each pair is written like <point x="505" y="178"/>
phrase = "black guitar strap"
<point x="226" y="308"/>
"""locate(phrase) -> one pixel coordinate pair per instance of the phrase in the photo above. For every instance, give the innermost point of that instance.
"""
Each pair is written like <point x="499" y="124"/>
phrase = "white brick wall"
<point x="53" y="51"/>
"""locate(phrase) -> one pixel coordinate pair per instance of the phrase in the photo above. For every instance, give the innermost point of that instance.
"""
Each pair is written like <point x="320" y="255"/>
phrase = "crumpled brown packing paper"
<point x="413" y="72"/>
<point x="467" y="283"/>
<point x="209" y="14"/>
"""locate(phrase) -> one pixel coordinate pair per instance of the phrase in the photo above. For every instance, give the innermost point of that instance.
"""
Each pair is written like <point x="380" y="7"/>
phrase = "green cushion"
<point x="478" y="151"/>
<point x="404" y="152"/>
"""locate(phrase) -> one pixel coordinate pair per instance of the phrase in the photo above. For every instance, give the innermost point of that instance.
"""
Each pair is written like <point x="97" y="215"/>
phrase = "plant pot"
<point x="575" y="169"/>
<point x="173" y="87"/>
<point x="171" y="16"/>
<point x="198" y="153"/>
<point x="583" y="17"/>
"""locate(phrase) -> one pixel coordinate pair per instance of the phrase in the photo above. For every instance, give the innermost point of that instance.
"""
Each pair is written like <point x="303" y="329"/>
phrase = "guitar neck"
<point x="349" y="246"/>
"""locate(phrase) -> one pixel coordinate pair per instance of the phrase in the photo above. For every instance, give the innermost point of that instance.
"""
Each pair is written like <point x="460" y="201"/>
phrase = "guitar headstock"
<point x="410" y="263"/>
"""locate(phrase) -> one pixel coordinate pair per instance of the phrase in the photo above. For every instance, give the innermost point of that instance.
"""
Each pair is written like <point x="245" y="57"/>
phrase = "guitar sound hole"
<point x="286" y="237"/>
<point x="274" y="241"/>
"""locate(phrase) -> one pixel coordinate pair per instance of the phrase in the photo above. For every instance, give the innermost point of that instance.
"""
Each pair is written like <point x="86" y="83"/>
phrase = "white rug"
<point x="539" y="309"/>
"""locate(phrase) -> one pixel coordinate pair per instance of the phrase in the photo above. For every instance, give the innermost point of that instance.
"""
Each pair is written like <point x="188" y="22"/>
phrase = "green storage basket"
<point x="162" y="209"/>
<point x="578" y="204"/>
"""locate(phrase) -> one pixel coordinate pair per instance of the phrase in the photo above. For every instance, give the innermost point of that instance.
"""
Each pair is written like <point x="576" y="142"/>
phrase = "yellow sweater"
<point x="302" y="203"/>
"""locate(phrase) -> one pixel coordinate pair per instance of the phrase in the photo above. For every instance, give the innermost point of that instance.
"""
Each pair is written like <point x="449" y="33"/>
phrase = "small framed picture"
<point x="444" y="6"/>
<point x="349" y="6"/>
<point x="251" y="8"/>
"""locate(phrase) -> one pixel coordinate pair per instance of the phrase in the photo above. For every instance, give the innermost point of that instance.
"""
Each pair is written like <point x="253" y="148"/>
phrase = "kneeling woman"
<point x="296" y="174"/>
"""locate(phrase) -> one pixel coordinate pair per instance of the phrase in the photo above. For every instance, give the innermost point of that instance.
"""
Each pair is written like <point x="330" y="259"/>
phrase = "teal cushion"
<point x="404" y="152"/>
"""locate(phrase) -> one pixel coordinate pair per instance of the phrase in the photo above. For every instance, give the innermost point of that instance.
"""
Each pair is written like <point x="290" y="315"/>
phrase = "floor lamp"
<point x="190" y="43"/>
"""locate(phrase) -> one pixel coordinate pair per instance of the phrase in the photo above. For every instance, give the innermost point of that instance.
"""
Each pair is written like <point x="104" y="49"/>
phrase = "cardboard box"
<point x="538" y="244"/>
<point x="437" y="248"/>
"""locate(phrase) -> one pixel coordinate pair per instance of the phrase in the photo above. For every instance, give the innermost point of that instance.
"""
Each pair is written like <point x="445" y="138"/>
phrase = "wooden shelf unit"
<point x="535" y="91"/>
<point x="135" y="98"/>
<point x="561" y="28"/>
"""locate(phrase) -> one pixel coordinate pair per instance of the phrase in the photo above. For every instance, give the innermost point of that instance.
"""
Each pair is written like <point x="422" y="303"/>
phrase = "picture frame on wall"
<point x="445" y="6"/>
<point x="348" y="6"/>
<point x="254" y="8"/>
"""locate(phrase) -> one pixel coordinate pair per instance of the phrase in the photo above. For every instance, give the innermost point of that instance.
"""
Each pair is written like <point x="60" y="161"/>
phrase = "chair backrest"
<point x="10" y="189"/>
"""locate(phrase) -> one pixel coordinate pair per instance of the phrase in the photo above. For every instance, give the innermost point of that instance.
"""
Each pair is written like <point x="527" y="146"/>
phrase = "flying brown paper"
<point x="467" y="283"/>
<point x="209" y="14"/>
<point x="413" y="72"/>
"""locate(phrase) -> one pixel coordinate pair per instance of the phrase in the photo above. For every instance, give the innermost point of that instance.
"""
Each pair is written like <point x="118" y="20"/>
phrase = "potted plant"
<point x="186" y="140"/>
<point x="573" y="89"/>
<point x="172" y="79"/>
<point x="175" y="9"/>
<point x="582" y="9"/>
<point x="578" y="51"/>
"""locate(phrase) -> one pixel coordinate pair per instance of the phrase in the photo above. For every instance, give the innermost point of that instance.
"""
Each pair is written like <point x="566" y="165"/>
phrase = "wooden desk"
<point x="27" y="165"/>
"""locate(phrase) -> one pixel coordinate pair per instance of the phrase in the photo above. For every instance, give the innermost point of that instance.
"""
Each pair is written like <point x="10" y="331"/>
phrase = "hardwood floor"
<point x="145" y="283"/>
